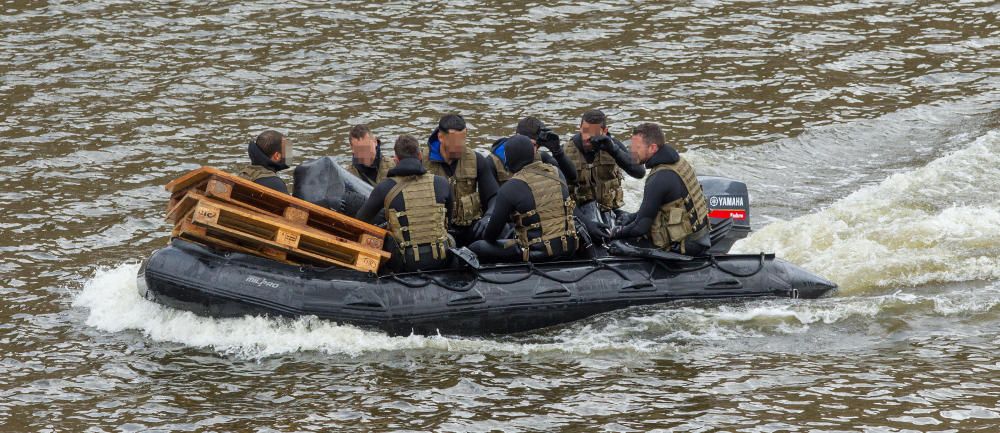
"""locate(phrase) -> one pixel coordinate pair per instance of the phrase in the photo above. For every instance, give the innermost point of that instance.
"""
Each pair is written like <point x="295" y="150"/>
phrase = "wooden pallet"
<point x="215" y="183"/>
<point x="232" y="226"/>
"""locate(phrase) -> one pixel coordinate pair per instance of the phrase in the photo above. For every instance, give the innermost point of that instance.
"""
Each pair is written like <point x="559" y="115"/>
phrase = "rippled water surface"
<point x="869" y="134"/>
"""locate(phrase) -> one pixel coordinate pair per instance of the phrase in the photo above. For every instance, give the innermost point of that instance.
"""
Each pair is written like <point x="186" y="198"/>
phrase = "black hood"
<point x="257" y="157"/>
<point x="407" y="167"/>
<point x="666" y="155"/>
<point x="520" y="152"/>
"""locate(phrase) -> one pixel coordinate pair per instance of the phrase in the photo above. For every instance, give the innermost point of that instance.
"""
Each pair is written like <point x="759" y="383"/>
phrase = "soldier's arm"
<point x="503" y="206"/>
<point x="442" y="189"/>
<point x="562" y="162"/>
<point x="487" y="181"/>
<point x="375" y="202"/>
<point x="653" y="196"/>
<point x="624" y="160"/>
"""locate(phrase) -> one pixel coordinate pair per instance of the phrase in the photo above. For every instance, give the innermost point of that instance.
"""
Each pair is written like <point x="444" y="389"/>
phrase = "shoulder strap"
<point x="401" y="183"/>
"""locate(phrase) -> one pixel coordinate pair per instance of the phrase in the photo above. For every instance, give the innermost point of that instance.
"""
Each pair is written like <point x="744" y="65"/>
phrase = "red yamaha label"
<point x="736" y="214"/>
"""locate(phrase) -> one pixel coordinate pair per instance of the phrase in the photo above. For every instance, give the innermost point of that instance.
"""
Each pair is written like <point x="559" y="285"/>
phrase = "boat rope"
<point x="760" y="266"/>
<point x="532" y="271"/>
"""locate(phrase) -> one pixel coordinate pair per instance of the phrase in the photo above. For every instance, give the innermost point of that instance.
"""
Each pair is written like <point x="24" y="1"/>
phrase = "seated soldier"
<point x="268" y="154"/>
<point x="537" y="200"/>
<point x="673" y="215"/>
<point x="468" y="172"/>
<point x="600" y="161"/>
<point x="367" y="161"/>
<point x="417" y="208"/>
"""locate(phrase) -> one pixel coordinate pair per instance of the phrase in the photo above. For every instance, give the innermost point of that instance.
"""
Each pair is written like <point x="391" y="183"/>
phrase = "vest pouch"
<point x="678" y="224"/>
<point x="467" y="209"/>
<point x="611" y="194"/>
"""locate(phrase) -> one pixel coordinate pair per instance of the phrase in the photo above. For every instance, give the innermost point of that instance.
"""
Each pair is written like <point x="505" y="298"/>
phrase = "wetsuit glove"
<point x="602" y="142"/>
<point x="479" y="228"/>
<point x="548" y="140"/>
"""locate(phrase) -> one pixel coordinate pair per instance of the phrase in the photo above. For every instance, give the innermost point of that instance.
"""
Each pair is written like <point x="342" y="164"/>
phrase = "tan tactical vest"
<point x="427" y="221"/>
<point x="555" y="214"/>
<point x="680" y="219"/>
<point x="600" y="180"/>
<point x="384" y="166"/>
<point x="254" y="172"/>
<point x="464" y="189"/>
<point x="503" y="175"/>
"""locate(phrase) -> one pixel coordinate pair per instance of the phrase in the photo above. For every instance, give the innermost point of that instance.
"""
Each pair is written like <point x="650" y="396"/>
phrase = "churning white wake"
<point x="937" y="223"/>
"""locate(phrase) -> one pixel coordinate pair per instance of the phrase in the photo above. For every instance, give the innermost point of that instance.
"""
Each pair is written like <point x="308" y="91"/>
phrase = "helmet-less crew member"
<point x="367" y="161"/>
<point x="537" y="200"/>
<point x="268" y="155"/>
<point x="417" y="208"/>
<point x="540" y="136"/>
<point x="600" y="159"/>
<point x="673" y="214"/>
<point x="473" y="185"/>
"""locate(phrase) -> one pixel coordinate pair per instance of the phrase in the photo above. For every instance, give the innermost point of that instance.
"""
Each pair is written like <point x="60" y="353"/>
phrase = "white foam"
<point x="938" y="223"/>
<point x="114" y="305"/>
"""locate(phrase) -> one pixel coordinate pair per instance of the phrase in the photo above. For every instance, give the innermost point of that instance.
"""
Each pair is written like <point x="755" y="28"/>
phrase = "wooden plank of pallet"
<point x="182" y="207"/>
<point x="189" y="231"/>
<point x="233" y="188"/>
<point x="273" y="232"/>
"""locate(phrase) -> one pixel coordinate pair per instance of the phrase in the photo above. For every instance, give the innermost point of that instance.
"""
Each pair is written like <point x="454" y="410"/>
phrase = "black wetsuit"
<point x="515" y="196"/>
<point x="370" y="212"/>
<point x="664" y="187"/>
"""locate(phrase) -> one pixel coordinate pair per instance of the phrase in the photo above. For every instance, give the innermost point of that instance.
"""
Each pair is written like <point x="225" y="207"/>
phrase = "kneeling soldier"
<point x="673" y="214"/>
<point x="417" y="209"/>
<point x="537" y="200"/>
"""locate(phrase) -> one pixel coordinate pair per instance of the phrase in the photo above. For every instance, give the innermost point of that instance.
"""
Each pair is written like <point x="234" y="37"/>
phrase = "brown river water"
<point x="868" y="132"/>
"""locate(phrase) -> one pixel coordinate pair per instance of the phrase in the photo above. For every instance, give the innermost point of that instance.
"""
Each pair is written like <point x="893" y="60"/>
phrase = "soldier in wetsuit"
<point x="541" y="137"/>
<point x="417" y="207"/>
<point x="367" y="161"/>
<point x="600" y="160"/>
<point x="536" y="199"/>
<point x="472" y="182"/>
<point x="673" y="215"/>
<point x="268" y="155"/>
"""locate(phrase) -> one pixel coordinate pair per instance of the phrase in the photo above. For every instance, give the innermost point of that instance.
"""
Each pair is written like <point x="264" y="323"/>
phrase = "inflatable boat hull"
<point x="493" y="300"/>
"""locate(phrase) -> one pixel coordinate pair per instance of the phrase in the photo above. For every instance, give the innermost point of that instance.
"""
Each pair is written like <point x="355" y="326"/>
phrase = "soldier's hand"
<point x="548" y="140"/>
<point x="605" y="231"/>
<point x="615" y="233"/>
<point x="625" y="218"/>
<point x="602" y="142"/>
<point x="479" y="228"/>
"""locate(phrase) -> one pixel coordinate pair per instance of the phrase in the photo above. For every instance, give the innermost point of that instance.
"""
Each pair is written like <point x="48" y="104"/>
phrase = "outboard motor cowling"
<point x="324" y="182"/>
<point x="727" y="199"/>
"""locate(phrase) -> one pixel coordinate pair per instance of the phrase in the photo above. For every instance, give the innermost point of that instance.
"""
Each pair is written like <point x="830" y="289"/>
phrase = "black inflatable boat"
<point x="473" y="300"/>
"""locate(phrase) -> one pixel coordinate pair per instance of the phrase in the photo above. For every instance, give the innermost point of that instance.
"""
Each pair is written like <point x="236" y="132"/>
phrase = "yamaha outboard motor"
<point x="728" y="211"/>
<point x="324" y="182"/>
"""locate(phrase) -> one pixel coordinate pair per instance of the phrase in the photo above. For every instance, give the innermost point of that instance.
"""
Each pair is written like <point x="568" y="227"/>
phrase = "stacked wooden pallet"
<point x="216" y="208"/>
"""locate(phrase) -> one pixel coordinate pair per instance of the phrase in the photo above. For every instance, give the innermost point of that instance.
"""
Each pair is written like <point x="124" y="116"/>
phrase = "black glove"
<point x="616" y="232"/>
<point x="605" y="231"/>
<point x="602" y="142"/>
<point x="625" y="218"/>
<point x="548" y="139"/>
<point x="479" y="228"/>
